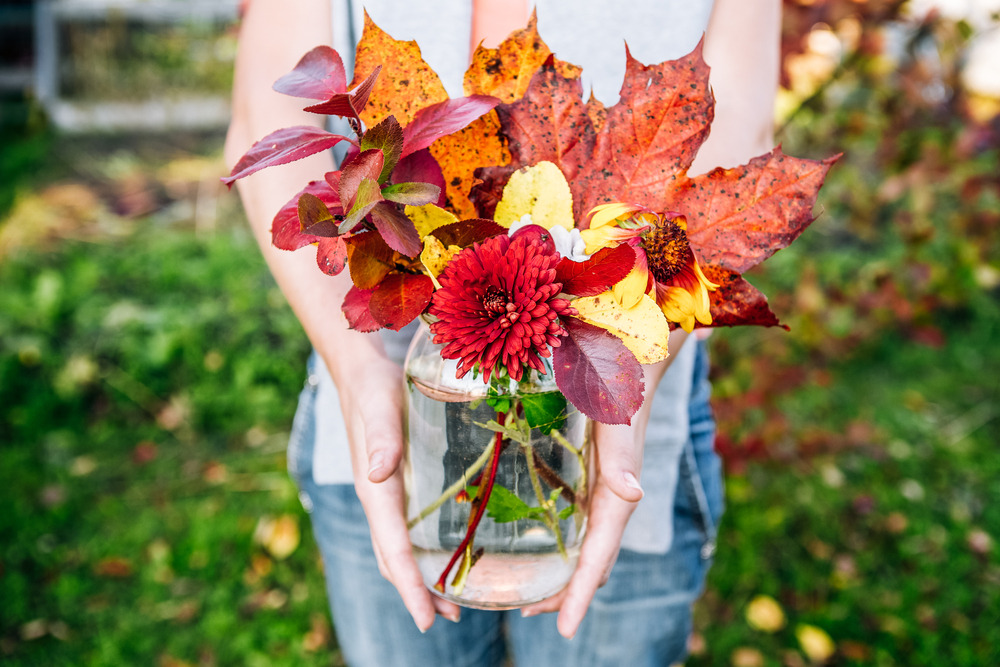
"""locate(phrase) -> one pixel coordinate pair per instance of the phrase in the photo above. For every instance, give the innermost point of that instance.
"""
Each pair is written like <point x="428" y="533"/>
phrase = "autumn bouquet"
<point x="550" y="245"/>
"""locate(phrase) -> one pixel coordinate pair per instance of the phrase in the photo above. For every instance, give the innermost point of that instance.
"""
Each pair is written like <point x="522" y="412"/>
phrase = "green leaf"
<point x="497" y="398"/>
<point x="369" y="195"/>
<point x="546" y="411"/>
<point x="387" y="136"/>
<point x="567" y="512"/>
<point x="504" y="506"/>
<point x="412" y="194"/>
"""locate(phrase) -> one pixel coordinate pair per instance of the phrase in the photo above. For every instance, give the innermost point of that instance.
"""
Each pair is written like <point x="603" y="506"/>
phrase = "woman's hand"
<point x="372" y="404"/>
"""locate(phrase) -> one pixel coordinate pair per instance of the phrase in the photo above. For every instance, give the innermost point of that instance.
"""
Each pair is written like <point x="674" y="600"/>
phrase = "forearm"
<point x="742" y="48"/>
<point x="257" y="111"/>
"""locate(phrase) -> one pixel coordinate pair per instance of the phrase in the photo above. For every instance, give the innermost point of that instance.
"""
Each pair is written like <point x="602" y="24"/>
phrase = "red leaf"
<point x="356" y="310"/>
<point x="438" y="120"/>
<point x="420" y="167"/>
<point x="331" y="255"/>
<point x="369" y="259"/>
<point x="737" y="302"/>
<point x="598" y="274"/>
<point x="549" y="123"/>
<point x="368" y="197"/>
<point x="400" y="298"/>
<point x="286" y="230"/>
<point x="348" y="104"/>
<point x="651" y="136"/>
<point x="739" y="217"/>
<point x="281" y="147"/>
<point x="396" y="229"/>
<point x="368" y="164"/>
<point x="319" y="75"/>
<point x="597" y="373"/>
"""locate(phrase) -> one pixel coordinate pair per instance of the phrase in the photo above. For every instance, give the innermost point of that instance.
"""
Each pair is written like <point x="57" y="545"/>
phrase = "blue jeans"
<point x="642" y="616"/>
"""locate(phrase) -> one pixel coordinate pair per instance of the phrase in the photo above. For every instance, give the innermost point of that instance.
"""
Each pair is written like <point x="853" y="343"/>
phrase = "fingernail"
<point x="375" y="463"/>
<point x="528" y="613"/>
<point x="455" y="617"/>
<point x="632" y="483"/>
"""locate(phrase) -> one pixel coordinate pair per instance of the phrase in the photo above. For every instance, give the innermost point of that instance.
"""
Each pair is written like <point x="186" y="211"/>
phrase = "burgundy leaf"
<point x="466" y="232"/>
<point x="438" y="120"/>
<point x="737" y="302"/>
<point x="286" y="230"/>
<point x="348" y="104"/>
<point x="367" y="164"/>
<point x="400" y="298"/>
<point x="331" y="255"/>
<point x="597" y="373"/>
<point x="387" y="136"/>
<point x="319" y="75"/>
<point x="412" y="194"/>
<point x="315" y="218"/>
<point x="549" y="123"/>
<point x="486" y="194"/>
<point x="281" y="147"/>
<point x="420" y="167"/>
<point x="598" y="274"/>
<point x="396" y="229"/>
<point x="357" y="312"/>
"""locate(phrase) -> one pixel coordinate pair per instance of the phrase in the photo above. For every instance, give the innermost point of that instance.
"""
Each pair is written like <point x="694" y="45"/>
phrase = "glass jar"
<point x="525" y="545"/>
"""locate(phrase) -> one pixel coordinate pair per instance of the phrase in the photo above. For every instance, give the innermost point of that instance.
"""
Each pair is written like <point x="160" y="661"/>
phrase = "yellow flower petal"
<point x="429" y="217"/>
<point x="643" y="328"/>
<point x="606" y="213"/>
<point x="540" y="190"/>
<point x="677" y="305"/>
<point x="630" y="289"/>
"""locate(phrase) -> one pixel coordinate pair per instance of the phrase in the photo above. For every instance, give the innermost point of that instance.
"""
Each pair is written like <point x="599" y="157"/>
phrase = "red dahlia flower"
<point x="497" y="308"/>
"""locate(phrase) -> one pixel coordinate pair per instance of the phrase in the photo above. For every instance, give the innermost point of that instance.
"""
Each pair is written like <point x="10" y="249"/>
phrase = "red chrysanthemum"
<point x="497" y="306"/>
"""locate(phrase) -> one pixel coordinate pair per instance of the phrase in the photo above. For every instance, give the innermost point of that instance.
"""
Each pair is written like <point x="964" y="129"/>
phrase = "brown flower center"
<point x="495" y="301"/>
<point x="667" y="250"/>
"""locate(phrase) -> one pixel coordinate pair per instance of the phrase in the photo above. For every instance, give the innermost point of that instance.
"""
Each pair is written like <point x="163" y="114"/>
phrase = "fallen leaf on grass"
<point x="319" y="634"/>
<point x="746" y="657"/>
<point x="114" y="567"/>
<point x="765" y="614"/>
<point x="279" y="536"/>
<point x="815" y="643"/>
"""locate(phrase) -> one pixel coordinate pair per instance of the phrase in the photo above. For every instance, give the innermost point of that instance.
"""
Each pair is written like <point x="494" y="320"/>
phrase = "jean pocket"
<point x="302" y="439"/>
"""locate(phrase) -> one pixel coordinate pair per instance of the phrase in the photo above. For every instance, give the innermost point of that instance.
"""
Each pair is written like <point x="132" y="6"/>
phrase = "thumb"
<point x="619" y="460"/>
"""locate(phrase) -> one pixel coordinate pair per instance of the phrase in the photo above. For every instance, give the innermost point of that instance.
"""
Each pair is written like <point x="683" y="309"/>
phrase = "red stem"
<point x="484" y="495"/>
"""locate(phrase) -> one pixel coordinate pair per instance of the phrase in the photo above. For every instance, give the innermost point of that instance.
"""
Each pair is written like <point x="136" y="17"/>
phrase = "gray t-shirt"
<point x="591" y="34"/>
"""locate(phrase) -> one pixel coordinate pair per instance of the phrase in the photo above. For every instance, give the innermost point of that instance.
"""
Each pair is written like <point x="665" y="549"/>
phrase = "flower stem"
<point x="551" y="517"/>
<point x="482" y="498"/>
<point x="452" y="490"/>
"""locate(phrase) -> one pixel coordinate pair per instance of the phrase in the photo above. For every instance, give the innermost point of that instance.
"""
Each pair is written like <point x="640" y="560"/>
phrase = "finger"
<point x="449" y="610"/>
<point x="545" y="606"/>
<point x="619" y="460"/>
<point x="380" y="427"/>
<point x="609" y="515"/>
<point x="383" y="505"/>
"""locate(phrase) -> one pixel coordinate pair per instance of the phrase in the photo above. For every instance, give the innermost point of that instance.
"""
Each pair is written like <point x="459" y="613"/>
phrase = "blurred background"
<point x="149" y="367"/>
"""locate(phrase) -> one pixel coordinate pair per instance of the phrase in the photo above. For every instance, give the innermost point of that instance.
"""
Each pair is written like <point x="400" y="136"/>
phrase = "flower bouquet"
<point x="549" y="244"/>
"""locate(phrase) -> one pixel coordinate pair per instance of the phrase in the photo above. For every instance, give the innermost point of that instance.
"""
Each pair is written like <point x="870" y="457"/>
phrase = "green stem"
<point x="551" y="517"/>
<point x="581" y="484"/>
<point x="453" y="490"/>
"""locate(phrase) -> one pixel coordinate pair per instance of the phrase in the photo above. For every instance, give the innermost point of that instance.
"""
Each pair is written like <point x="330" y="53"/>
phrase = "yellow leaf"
<point x="540" y="190"/>
<point x="816" y="644"/>
<point x="765" y="614"/>
<point x="429" y="217"/>
<point x="642" y="328"/>
<point x="279" y="536"/>
<point x="435" y="256"/>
